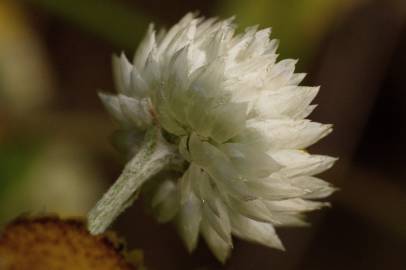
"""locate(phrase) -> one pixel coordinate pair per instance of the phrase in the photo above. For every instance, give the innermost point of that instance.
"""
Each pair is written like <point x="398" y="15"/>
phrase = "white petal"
<point x="203" y="188"/>
<point x="180" y="67"/>
<point x="294" y="205"/>
<point x="151" y="73"/>
<point x="163" y="192"/>
<point x="254" y="209"/>
<point x="122" y="73"/>
<point x="249" y="161"/>
<point x="260" y="44"/>
<point x="228" y="120"/>
<point x="281" y="73"/>
<point x="112" y="104"/>
<point x="215" y="44"/>
<point x="315" y="188"/>
<point x="145" y="48"/>
<point x="165" y="202"/>
<point x="182" y="39"/>
<point x="289" y="101"/>
<point x="173" y="31"/>
<point x="296" y="78"/>
<point x="205" y="26"/>
<point x="198" y="116"/>
<point x="218" y="246"/>
<point x="296" y="162"/>
<point x="139" y="87"/>
<point x="188" y="220"/>
<point x="287" y="133"/>
<point x="251" y="230"/>
<point x="239" y="50"/>
<point x="272" y="46"/>
<point x="219" y="222"/>
<point x="168" y="121"/>
<point x="136" y="111"/>
<point x="185" y="185"/>
<point x="289" y="219"/>
<point x="274" y="189"/>
<point x="306" y="112"/>
<point x="208" y="79"/>
<point x="216" y="164"/>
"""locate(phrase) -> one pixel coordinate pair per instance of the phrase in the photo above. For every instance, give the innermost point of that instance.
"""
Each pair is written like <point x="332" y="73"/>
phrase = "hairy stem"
<point x="153" y="156"/>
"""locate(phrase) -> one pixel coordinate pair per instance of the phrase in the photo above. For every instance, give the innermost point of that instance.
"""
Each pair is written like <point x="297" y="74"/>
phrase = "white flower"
<point x="237" y="118"/>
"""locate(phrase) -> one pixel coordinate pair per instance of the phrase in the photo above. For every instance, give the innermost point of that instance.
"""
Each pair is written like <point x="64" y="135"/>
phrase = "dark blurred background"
<point x="55" y="153"/>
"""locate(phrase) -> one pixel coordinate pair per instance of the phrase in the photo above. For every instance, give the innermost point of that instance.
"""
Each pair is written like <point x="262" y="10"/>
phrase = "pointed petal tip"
<point x="281" y="247"/>
<point x="223" y="258"/>
<point x="103" y="94"/>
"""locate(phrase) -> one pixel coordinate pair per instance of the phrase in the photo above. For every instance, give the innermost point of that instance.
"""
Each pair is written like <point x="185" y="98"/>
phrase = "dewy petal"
<point x="288" y="133"/>
<point x="188" y="221"/>
<point x="203" y="188"/>
<point x="315" y="188"/>
<point x="296" y="162"/>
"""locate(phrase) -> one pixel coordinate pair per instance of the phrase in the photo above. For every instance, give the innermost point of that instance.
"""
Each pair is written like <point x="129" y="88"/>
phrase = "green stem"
<point x="153" y="156"/>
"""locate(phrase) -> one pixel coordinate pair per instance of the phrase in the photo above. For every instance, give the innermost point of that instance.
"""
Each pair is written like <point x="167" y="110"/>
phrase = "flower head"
<point x="237" y="117"/>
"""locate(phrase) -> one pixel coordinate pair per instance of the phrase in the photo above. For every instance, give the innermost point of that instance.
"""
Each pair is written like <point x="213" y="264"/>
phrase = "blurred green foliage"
<point x="16" y="157"/>
<point x="109" y="19"/>
<point x="298" y="24"/>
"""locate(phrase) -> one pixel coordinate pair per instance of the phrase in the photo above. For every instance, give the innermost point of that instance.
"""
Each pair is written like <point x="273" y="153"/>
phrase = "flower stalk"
<point x="154" y="155"/>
